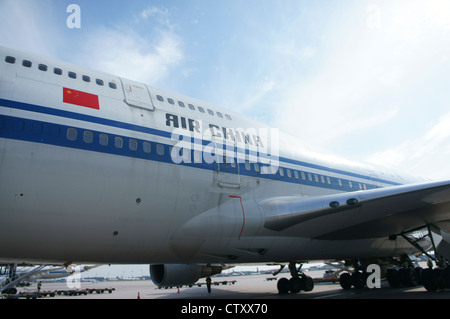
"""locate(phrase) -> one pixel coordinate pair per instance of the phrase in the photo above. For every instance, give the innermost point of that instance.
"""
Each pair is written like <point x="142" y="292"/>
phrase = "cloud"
<point x="366" y="67"/>
<point x="307" y="52"/>
<point x="427" y="155"/>
<point x="129" y="55"/>
<point x="29" y="25"/>
<point x="146" y="49"/>
<point x="159" y="14"/>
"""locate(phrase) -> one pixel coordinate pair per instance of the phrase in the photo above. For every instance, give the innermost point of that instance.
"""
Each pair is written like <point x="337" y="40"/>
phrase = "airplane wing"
<point x="372" y="213"/>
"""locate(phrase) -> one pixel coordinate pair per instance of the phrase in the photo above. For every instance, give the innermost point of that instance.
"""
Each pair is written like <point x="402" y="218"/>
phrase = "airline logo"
<point x="81" y="98"/>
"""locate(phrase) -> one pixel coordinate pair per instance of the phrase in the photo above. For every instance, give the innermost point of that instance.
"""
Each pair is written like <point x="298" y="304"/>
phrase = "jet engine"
<point x="175" y="275"/>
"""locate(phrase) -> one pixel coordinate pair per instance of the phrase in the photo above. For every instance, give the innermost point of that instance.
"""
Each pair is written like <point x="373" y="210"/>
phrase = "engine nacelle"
<point x="175" y="275"/>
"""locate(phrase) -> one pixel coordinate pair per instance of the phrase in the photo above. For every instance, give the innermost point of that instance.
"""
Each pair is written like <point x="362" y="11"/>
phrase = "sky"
<point x="365" y="79"/>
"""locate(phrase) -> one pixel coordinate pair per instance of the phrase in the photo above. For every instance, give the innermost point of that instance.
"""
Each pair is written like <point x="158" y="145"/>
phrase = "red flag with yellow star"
<point x="80" y="98"/>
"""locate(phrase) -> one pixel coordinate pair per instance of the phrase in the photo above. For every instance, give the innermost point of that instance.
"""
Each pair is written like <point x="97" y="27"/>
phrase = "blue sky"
<point x="367" y="79"/>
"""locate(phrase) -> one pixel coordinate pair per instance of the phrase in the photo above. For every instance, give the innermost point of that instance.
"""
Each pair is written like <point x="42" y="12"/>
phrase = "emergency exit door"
<point x="137" y="94"/>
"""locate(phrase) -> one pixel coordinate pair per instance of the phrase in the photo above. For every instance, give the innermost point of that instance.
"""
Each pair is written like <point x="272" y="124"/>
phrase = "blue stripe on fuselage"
<point x="62" y="141"/>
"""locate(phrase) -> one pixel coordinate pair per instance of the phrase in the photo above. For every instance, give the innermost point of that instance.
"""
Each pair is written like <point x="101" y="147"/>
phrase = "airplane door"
<point x="136" y="94"/>
<point x="227" y="167"/>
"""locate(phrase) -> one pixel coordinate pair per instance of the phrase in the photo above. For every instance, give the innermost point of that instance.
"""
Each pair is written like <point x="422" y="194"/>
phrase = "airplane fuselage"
<point x="95" y="168"/>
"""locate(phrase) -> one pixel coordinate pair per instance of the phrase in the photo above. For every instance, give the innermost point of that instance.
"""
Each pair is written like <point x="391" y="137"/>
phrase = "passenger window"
<point x="146" y="146"/>
<point x="228" y="117"/>
<point x="55" y="131"/>
<point x="72" y="134"/>
<point x="19" y="125"/>
<point x="296" y="175"/>
<point x="181" y="104"/>
<point x="118" y="142"/>
<point x="160" y="98"/>
<point x="37" y="128"/>
<point x="86" y="78"/>
<point x="112" y="85"/>
<point x="281" y="170"/>
<point x="350" y="184"/>
<point x="160" y="149"/>
<point x="103" y="139"/>
<point x="201" y="109"/>
<point x="303" y="176"/>
<point x="289" y="173"/>
<point x="88" y="137"/>
<point x="10" y="59"/>
<point x="72" y="75"/>
<point x="133" y="145"/>
<point x="210" y="112"/>
<point x="57" y="71"/>
<point x="257" y="169"/>
<point x="43" y="67"/>
<point x="219" y="115"/>
<point x="191" y="107"/>
<point x="170" y="101"/>
<point x="197" y="157"/>
<point x="27" y="63"/>
<point x="247" y="166"/>
<point x="99" y="82"/>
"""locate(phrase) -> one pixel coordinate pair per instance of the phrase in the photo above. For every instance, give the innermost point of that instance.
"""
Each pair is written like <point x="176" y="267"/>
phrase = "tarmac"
<point x="234" y="296"/>
<point x="249" y="287"/>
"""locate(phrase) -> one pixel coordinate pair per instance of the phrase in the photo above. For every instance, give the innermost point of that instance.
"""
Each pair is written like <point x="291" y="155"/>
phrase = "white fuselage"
<point x="99" y="185"/>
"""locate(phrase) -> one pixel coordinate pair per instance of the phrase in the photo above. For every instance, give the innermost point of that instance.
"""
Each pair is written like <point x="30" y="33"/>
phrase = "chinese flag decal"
<point x="80" y="98"/>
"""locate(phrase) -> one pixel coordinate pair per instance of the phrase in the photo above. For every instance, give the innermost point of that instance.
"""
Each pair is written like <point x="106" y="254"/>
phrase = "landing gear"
<point x="283" y="286"/>
<point x="436" y="279"/>
<point x="298" y="282"/>
<point x="432" y="279"/>
<point x="406" y="277"/>
<point x="356" y="280"/>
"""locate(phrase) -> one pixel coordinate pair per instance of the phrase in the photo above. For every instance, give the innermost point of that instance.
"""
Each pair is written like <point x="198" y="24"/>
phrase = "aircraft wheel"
<point x="346" y="281"/>
<point x="446" y="277"/>
<point x="358" y="280"/>
<point x="439" y="277"/>
<point x="283" y="286"/>
<point x="295" y="285"/>
<point x="11" y="291"/>
<point x="308" y="283"/>
<point x="418" y="271"/>
<point x="408" y="277"/>
<point x="393" y="278"/>
<point x="428" y="279"/>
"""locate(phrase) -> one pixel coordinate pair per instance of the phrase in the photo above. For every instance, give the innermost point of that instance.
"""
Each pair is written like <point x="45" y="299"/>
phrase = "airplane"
<point x="50" y="272"/>
<point x="12" y="275"/>
<point x="96" y="168"/>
